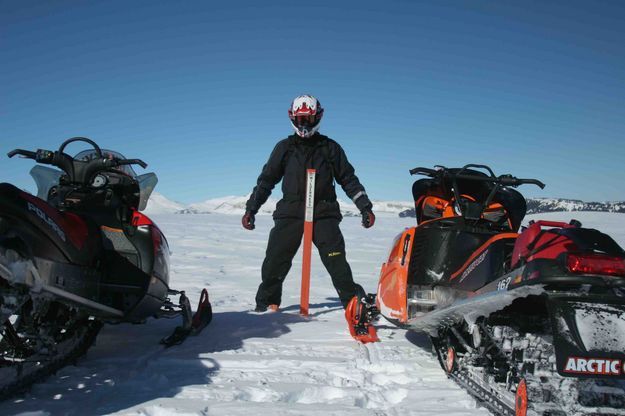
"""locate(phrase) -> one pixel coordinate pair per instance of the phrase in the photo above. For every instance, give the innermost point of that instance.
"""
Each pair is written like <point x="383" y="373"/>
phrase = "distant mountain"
<point x="542" y="205"/>
<point x="235" y="205"/>
<point x="158" y="204"/>
<point x="226" y="205"/>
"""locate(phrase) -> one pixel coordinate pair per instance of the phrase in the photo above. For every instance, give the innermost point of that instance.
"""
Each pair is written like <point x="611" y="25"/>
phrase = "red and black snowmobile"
<point x="531" y="323"/>
<point x="76" y="256"/>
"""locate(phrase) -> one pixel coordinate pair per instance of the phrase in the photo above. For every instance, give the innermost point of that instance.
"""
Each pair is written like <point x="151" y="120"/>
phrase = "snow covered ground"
<point x="268" y="364"/>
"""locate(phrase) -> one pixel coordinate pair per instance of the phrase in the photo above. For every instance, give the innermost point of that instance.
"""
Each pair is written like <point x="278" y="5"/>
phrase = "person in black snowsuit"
<point x="289" y="160"/>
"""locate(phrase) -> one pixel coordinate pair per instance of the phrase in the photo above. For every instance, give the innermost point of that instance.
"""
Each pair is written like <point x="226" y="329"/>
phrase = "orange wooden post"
<point x="308" y="232"/>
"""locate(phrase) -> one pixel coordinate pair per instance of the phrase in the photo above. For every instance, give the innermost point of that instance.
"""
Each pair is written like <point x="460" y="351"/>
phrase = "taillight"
<point x="595" y="264"/>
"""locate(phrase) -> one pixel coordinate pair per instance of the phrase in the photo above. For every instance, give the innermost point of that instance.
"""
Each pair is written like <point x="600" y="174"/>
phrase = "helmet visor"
<point x="305" y="120"/>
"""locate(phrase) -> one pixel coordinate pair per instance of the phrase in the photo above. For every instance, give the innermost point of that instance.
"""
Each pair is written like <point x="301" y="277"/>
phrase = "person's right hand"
<point x="368" y="219"/>
<point x="248" y="221"/>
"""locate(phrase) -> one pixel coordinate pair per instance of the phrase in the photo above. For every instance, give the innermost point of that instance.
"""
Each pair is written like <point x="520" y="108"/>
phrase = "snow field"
<point x="245" y="363"/>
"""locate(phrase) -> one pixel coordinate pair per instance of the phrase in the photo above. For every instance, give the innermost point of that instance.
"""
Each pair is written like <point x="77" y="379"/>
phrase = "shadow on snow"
<point x="420" y="339"/>
<point x="229" y="330"/>
<point x="128" y="367"/>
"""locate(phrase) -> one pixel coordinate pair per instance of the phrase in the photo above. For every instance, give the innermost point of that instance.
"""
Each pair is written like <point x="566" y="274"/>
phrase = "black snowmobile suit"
<point x="288" y="162"/>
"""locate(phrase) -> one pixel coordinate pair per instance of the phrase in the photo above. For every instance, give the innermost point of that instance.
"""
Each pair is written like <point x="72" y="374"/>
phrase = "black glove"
<point x="368" y="219"/>
<point x="248" y="220"/>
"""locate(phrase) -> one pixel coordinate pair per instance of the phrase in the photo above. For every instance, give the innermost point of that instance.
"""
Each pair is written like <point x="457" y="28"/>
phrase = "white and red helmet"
<point x="305" y="114"/>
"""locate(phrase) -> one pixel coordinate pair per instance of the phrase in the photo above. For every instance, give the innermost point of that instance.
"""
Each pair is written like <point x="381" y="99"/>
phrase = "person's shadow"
<point x="229" y="330"/>
<point x="128" y="367"/>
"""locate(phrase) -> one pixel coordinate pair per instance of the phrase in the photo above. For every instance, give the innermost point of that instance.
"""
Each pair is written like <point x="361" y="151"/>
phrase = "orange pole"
<point x="308" y="232"/>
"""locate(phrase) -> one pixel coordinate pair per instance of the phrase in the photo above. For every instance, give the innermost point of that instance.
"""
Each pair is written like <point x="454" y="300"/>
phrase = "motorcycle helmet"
<point x="305" y="114"/>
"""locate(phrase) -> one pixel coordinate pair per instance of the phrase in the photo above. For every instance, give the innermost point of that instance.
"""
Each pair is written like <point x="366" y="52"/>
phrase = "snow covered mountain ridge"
<point x="542" y="205"/>
<point x="539" y="205"/>
<point x="235" y="205"/>
<point x="159" y="204"/>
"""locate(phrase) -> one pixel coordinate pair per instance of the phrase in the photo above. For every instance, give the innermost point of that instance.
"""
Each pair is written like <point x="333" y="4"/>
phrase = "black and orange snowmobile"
<point x="530" y="322"/>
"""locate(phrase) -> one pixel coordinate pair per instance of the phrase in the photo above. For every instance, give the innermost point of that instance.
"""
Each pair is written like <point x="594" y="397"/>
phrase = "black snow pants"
<point x="284" y="241"/>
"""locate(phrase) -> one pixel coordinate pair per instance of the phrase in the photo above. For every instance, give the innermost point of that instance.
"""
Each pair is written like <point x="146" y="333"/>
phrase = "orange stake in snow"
<point x="308" y="232"/>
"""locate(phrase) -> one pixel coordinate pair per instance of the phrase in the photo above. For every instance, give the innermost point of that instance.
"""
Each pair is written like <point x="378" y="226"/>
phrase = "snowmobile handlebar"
<point x="132" y="162"/>
<point x="49" y="157"/>
<point x="516" y="182"/>
<point x="78" y="171"/>
<point x="424" y="171"/>
<point x="21" y="152"/>
<point x="93" y="144"/>
<point x="505" y="180"/>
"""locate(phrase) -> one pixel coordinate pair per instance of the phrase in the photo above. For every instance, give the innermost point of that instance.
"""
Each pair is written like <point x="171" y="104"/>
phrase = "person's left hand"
<point x="368" y="219"/>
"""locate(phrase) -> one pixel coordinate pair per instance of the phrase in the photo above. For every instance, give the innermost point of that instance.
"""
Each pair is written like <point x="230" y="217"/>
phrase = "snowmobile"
<point x="76" y="256"/>
<point x="530" y="323"/>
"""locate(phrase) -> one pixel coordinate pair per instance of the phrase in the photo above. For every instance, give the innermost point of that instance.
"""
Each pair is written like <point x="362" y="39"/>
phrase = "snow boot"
<point x="267" y="308"/>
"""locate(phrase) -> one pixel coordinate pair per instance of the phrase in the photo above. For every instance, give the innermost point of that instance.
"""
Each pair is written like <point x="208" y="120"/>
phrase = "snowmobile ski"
<point x="191" y="324"/>
<point x="360" y="313"/>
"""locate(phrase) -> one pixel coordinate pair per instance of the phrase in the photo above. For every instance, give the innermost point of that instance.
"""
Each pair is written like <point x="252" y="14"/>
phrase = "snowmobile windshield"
<point x="87" y="155"/>
<point x="146" y="182"/>
<point x="46" y="178"/>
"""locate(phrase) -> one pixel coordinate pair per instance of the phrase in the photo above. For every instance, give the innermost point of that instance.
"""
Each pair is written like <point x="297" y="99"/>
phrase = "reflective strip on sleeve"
<point x="358" y="195"/>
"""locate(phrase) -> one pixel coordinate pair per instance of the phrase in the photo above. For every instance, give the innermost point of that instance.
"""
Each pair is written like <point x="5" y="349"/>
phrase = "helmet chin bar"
<point x="306" y="132"/>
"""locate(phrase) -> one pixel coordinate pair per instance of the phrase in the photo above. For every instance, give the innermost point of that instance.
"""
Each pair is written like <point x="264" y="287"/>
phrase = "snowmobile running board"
<point x="30" y="277"/>
<point x="192" y="324"/>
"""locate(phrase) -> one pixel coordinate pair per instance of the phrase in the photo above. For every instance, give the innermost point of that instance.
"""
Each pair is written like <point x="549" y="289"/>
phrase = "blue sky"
<point x="200" y="90"/>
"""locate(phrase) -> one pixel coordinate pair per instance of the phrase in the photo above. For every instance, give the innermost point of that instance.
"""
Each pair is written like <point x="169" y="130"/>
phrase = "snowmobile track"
<point x="38" y="367"/>
<point x="23" y="383"/>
